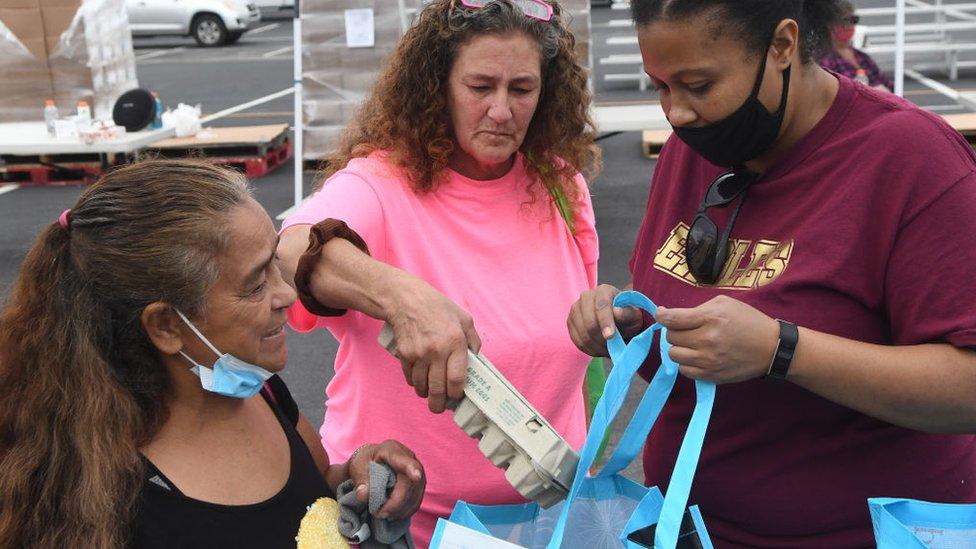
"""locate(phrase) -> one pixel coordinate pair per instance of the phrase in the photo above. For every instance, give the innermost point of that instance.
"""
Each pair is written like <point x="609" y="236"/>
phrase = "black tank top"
<point x="166" y="518"/>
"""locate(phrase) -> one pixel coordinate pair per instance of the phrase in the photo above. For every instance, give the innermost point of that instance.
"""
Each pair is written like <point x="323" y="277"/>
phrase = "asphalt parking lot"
<point x="260" y="64"/>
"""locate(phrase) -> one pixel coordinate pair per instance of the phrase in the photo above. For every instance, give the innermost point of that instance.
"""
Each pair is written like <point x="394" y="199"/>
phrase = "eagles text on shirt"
<point x="749" y="265"/>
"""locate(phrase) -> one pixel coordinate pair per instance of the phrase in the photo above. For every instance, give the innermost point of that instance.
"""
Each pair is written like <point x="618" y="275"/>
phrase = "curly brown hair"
<point x="407" y="113"/>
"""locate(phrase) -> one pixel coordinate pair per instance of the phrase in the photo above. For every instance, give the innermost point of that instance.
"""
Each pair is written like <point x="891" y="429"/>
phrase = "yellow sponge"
<point x="320" y="527"/>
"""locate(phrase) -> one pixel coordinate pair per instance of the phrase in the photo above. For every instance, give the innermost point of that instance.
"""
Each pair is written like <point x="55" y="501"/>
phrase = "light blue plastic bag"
<point x="913" y="524"/>
<point x="602" y="511"/>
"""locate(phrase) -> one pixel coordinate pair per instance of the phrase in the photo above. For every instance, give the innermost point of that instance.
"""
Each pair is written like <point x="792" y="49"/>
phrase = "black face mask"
<point x="743" y="135"/>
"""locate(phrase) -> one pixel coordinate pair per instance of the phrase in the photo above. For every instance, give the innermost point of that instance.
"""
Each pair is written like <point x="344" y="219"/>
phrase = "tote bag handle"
<point x="627" y="359"/>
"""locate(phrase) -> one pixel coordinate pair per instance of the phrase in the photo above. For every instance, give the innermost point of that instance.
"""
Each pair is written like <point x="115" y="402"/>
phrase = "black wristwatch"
<point x="783" y="357"/>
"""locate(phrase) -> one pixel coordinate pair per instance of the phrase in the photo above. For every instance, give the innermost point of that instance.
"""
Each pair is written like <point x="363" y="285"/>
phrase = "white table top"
<point x="29" y="138"/>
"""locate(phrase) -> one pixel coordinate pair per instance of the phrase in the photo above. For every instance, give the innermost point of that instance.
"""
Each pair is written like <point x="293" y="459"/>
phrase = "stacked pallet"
<point x="254" y="150"/>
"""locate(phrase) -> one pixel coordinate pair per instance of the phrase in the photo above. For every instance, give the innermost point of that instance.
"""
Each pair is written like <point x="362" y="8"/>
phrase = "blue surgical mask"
<point x="229" y="376"/>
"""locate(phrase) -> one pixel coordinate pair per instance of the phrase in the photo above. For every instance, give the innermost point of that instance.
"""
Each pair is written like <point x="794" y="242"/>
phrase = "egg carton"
<point x="512" y="434"/>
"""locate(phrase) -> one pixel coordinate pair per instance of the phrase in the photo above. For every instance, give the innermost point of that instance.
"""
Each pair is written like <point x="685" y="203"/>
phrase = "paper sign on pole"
<point x="360" y="30"/>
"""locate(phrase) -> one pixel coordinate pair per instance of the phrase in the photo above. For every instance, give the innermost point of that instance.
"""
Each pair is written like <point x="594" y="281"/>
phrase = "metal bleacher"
<point x="936" y="36"/>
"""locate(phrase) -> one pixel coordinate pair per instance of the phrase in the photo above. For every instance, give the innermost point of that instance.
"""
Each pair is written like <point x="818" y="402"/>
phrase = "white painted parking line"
<point x="224" y="60"/>
<point x="263" y="29"/>
<point x="259" y="114"/>
<point x="278" y="51"/>
<point x="158" y="53"/>
<point x="150" y="55"/>
<point x="7" y="188"/>
<point x="248" y="105"/>
<point x="266" y="39"/>
<point x="284" y="215"/>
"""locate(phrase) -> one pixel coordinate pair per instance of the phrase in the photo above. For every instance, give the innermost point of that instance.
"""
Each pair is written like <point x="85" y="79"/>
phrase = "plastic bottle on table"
<point x="158" y="118"/>
<point x="50" y="116"/>
<point x="84" y="111"/>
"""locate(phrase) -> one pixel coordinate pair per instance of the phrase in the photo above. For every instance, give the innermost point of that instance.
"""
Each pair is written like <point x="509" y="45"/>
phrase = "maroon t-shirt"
<point x="865" y="230"/>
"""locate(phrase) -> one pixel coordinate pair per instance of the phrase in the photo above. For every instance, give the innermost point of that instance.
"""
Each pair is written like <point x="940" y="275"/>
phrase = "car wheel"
<point x="233" y="37"/>
<point x="209" y="30"/>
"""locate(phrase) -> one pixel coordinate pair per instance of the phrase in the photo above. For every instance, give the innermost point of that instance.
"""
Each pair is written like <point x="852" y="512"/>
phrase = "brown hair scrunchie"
<point x="320" y="234"/>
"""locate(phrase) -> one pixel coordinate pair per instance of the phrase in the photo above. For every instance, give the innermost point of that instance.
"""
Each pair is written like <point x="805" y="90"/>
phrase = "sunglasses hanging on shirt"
<point x="705" y="249"/>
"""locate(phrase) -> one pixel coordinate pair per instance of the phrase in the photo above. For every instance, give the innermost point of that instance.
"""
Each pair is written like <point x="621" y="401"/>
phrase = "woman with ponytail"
<point x="138" y="401"/>
<point x="810" y="239"/>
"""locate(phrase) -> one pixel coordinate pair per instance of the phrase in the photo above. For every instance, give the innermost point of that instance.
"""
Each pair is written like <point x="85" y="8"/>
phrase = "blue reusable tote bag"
<point x="912" y="524"/>
<point x="608" y="510"/>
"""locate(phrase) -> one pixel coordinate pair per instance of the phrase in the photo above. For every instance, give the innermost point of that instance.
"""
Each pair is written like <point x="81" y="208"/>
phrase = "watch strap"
<point x="789" y="335"/>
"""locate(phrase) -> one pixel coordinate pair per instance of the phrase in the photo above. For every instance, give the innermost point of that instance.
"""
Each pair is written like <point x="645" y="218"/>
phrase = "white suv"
<point x="273" y="7"/>
<point x="210" y="22"/>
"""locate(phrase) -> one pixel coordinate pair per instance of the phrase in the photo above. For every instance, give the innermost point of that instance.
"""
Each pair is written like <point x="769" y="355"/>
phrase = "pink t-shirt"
<point x="509" y="261"/>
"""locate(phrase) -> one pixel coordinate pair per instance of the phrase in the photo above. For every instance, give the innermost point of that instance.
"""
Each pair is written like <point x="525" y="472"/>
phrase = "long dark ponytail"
<point x="81" y="387"/>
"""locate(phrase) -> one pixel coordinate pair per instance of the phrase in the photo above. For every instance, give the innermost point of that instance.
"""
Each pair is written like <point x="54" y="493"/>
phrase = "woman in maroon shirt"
<point x="789" y="193"/>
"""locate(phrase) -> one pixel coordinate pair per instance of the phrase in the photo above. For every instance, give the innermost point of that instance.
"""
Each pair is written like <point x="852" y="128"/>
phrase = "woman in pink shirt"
<point x="454" y="210"/>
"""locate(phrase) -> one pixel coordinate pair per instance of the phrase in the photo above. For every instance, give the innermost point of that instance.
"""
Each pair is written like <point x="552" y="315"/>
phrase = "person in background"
<point x="845" y="59"/>
<point x="139" y="401"/>
<point x="463" y="221"/>
<point x="809" y="242"/>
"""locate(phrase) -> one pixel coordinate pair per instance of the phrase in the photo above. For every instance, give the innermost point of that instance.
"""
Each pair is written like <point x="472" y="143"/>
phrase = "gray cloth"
<point x="357" y="521"/>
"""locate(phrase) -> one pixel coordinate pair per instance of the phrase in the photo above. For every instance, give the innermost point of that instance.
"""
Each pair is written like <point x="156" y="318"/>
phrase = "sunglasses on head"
<point x="705" y="249"/>
<point x="536" y="9"/>
<point x="851" y="20"/>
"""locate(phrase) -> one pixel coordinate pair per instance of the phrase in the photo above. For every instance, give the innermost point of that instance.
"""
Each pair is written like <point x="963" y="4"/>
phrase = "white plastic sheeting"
<point x="336" y="78"/>
<point x="66" y="51"/>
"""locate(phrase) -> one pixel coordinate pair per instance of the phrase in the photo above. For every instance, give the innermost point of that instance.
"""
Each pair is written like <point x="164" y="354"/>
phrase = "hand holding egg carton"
<point x="538" y="462"/>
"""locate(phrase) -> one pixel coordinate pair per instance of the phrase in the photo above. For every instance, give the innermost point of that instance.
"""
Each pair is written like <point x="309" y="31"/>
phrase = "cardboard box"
<point x="25" y="72"/>
<point x="12" y="4"/>
<point x="53" y="45"/>
<point x="37" y="53"/>
<point x="58" y="3"/>
<point x="57" y="20"/>
<point x="25" y="23"/>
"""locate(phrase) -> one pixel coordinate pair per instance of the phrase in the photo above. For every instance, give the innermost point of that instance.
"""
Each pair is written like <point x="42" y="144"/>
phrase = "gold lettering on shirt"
<point x="749" y="265"/>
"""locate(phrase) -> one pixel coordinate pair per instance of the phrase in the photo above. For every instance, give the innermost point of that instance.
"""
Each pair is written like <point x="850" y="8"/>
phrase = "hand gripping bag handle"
<point x="627" y="359"/>
<point x="679" y="488"/>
